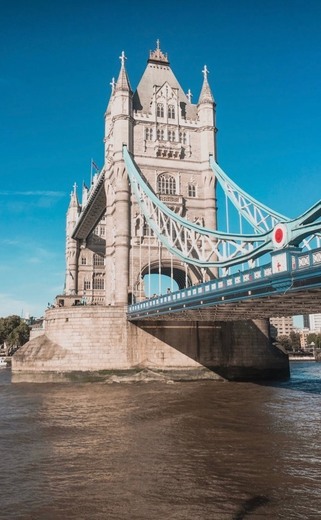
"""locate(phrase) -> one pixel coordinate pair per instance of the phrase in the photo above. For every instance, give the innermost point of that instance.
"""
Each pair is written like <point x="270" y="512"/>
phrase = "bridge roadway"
<point x="290" y="285"/>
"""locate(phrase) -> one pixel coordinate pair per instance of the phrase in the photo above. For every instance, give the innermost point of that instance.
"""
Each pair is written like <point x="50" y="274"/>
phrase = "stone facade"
<point x="171" y="140"/>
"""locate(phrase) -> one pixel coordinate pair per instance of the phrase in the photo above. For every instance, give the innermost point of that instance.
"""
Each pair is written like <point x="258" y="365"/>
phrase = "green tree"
<point x="14" y="332"/>
<point x="284" y="342"/>
<point x="295" y="341"/>
<point x="315" y="338"/>
<point x="7" y="325"/>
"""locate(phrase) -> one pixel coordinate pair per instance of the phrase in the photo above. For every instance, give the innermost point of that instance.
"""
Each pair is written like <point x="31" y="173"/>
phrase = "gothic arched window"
<point x="166" y="184"/>
<point x="160" y="110"/>
<point x="171" y="112"/>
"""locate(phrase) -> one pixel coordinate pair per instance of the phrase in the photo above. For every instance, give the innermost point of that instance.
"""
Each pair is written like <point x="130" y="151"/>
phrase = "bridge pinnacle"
<point x="122" y="81"/>
<point x="206" y="95"/>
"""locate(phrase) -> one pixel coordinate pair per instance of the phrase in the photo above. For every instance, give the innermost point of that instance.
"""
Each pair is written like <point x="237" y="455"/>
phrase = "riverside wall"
<point x="96" y="339"/>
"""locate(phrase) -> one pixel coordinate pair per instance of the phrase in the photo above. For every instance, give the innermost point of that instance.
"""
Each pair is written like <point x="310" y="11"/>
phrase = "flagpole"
<point x="91" y="171"/>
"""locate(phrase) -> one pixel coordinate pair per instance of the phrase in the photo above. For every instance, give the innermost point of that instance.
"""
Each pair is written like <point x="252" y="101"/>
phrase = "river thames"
<point x="162" y="450"/>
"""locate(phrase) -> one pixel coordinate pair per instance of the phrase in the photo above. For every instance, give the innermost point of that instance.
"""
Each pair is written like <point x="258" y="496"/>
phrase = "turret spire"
<point x="123" y="81"/>
<point x="74" y="203"/>
<point x="206" y="95"/>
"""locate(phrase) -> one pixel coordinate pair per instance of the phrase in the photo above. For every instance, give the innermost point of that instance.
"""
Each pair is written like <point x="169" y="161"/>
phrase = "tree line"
<point x="14" y="332"/>
<point x="292" y="342"/>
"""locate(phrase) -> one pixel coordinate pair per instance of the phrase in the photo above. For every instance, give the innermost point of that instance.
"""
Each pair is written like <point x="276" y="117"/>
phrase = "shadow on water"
<point x="305" y="377"/>
<point x="250" y="505"/>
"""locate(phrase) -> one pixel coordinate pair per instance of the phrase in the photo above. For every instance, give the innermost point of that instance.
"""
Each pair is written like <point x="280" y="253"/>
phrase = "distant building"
<point x="315" y="322"/>
<point x="281" y="326"/>
<point x="306" y="321"/>
<point x="303" y="337"/>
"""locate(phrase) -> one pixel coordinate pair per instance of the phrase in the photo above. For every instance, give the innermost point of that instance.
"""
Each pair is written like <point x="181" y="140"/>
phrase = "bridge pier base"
<point x="236" y="351"/>
<point x="91" y="340"/>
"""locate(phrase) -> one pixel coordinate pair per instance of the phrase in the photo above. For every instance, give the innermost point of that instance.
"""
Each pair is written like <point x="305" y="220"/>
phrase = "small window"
<point x="86" y="285"/>
<point x="191" y="190"/>
<point x="98" y="283"/>
<point x="102" y="231"/>
<point x="171" y="135"/>
<point x="182" y="137"/>
<point x="149" y="134"/>
<point x="98" y="260"/>
<point x="160" y="110"/>
<point x="171" y="112"/>
<point x="83" y="260"/>
<point x="160" y="134"/>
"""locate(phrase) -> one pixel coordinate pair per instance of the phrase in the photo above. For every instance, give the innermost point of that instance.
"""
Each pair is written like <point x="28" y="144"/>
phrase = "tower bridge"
<point x="152" y="211"/>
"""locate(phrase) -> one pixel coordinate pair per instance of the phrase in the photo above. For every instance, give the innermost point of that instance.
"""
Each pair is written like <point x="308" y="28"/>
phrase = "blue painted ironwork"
<point x="261" y="217"/>
<point x="204" y="247"/>
<point x="290" y="272"/>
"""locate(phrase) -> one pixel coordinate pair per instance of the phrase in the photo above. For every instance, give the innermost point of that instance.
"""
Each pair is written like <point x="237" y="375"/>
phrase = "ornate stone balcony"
<point x="169" y="149"/>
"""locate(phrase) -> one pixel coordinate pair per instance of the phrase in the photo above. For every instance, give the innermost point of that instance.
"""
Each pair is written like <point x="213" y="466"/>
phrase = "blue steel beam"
<point x="298" y="284"/>
<point x="218" y="249"/>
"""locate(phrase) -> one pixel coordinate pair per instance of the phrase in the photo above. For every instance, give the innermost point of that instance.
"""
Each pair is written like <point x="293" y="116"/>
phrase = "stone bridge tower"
<point x="109" y="249"/>
<point x="171" y="139"/>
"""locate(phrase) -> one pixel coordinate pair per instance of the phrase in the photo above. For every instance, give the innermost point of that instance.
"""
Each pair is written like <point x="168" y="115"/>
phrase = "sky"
<point x="57" y="61"/>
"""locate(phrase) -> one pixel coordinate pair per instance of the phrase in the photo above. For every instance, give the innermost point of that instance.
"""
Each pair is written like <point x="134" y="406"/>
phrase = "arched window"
<point x="160" y="110"/>
<point x="171" y="112"/>
<point x="166" y="184"/>
<point x="160" y="134"/>
<point x="191" y="190"/>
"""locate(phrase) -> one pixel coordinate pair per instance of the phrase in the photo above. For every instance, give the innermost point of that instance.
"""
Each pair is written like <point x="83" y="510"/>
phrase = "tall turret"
<point x="121" y="112"/>
<point x="72" y="247"/>
<point x="206" y="114"/>
<point x="119" y="132"/>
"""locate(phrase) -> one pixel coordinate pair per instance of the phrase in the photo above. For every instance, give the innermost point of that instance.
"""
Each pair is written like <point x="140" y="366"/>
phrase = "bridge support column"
<point x="237" y="351"/>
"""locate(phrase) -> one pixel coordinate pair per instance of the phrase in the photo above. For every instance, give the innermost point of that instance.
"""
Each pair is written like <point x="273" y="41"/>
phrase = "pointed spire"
<point x="206" y="95"/>
<point x="123" y="81"/>
<point x="74" y="203"/>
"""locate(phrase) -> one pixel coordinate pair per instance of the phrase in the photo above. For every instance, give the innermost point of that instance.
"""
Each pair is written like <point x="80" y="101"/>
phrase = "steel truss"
<point x="204" y="247"/>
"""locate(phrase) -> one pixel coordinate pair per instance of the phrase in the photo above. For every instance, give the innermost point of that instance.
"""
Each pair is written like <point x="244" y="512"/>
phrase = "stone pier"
<point x="91" y="340"/>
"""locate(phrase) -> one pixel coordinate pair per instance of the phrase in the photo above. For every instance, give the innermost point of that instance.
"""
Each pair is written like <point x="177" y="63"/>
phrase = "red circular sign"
<point x="278" y="236"/>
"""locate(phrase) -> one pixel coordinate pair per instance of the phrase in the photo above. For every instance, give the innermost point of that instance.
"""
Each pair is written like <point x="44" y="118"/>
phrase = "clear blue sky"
<point x="57" y="60"/>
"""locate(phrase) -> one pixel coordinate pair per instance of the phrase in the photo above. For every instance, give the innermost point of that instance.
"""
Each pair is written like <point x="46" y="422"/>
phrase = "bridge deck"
<point x="254" y="294"/>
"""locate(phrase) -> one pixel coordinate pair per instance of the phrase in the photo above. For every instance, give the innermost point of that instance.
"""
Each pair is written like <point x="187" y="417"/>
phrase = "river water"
<point x="161" y="451"/>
